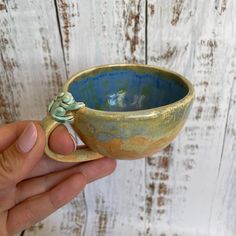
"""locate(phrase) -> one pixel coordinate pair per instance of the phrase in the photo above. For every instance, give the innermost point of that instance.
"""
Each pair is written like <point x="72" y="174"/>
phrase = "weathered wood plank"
<point x="188" y="189"/>
<point x="222" y="220"/>
<point x="195" y="39"/>
<point x="69" y="220"/>
<point x="31" y="56"/>
<point x="94" y="33"/>
<point x="116" y="204"/>
<point x="102" y="32"/>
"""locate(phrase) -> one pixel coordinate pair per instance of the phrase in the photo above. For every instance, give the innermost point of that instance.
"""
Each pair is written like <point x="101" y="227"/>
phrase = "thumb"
<point x="18" y="160"/>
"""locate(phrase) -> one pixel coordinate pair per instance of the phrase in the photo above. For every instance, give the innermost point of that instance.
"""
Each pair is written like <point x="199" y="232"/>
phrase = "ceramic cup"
<point x="121" y="111"/>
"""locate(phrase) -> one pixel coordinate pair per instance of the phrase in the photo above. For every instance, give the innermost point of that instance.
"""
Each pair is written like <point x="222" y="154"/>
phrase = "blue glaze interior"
<point x="127" y="90"/>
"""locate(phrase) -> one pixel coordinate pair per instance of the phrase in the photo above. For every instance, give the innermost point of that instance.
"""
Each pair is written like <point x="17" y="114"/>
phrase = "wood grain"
<point x="101" y="32"/>
<point x="195" y="39"/>
<point x="222" y="218"/>
<point x="31" y="58"/>
<point x="95" y="33"/>
<point x="69" y="220"/>
<point x="188" y="189"/>
<point x="119" y="34"/>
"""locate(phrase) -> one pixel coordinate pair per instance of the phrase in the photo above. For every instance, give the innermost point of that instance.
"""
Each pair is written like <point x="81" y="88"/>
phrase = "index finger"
<point x="47" y="165"/>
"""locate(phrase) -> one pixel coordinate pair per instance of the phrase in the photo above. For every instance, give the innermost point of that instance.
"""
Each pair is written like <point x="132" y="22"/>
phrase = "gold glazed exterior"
<point x="133" y="134"/>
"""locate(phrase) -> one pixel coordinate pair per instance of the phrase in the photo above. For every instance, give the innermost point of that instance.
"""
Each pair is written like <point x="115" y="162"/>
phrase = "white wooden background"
<point x="190" y="187"/>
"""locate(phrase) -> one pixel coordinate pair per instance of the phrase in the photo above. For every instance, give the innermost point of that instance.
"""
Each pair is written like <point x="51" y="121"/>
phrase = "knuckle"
<point x="30" y="214"/>
<point x="8" y="166"/>
<point x="55" y="201"/>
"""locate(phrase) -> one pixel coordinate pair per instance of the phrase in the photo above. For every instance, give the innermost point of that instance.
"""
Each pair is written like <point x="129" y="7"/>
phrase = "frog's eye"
<point x="66" y="98"/>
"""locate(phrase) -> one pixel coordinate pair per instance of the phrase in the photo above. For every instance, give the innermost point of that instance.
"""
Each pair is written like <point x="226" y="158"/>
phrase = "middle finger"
<point x="47" y="166"/>
<point x="91" y="170"/>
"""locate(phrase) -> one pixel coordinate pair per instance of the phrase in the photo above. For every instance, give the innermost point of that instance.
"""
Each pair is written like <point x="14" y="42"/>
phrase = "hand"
<point x="33" y="186"/>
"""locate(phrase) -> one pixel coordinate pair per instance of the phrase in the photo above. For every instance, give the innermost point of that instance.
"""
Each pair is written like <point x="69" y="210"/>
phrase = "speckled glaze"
<point x="131" y="111"/>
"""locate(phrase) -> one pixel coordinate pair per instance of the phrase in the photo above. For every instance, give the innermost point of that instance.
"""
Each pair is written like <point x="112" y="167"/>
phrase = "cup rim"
<point x="145" y="113"/>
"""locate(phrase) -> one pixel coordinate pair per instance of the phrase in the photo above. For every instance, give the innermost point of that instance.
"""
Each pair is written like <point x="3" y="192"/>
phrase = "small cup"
<point x="121" y="111"/>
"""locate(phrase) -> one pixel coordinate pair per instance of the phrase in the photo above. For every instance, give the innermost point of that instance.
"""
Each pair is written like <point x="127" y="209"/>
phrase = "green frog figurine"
<point x="63" y="104"/>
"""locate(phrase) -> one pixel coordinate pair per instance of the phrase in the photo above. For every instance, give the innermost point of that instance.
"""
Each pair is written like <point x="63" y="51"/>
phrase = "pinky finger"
<point x="37" y="208"/>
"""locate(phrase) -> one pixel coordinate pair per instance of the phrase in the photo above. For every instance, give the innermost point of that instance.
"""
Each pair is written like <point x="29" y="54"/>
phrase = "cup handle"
<point x="54" y="119"/>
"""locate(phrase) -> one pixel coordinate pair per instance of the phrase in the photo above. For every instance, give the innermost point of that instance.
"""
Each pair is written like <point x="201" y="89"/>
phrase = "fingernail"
<point x="27" y="139"/>
<point x="74" y="142"/>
